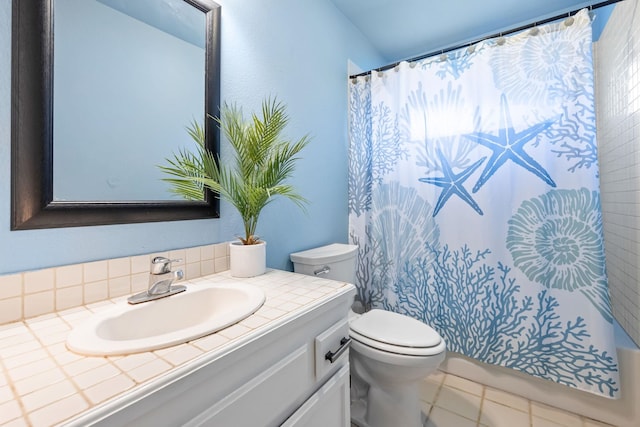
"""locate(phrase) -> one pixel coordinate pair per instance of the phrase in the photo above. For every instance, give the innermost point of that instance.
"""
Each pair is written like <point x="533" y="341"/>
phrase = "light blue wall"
<point x="296" y="50"/>
<point x="601" y="17"/>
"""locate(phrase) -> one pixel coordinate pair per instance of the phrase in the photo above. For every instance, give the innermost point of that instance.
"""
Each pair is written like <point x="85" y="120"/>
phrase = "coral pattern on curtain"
<point x="474" y="199"/>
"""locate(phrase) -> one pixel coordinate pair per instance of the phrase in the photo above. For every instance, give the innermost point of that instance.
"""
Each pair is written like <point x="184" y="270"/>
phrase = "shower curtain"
<point x="474" y="200"/>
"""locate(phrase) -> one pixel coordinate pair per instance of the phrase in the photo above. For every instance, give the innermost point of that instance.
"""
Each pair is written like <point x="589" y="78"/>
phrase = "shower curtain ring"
<point x="569" y="21"/>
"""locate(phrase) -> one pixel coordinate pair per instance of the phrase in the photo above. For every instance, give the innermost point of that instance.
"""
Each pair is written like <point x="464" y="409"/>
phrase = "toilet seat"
<point x="396" y="333"/>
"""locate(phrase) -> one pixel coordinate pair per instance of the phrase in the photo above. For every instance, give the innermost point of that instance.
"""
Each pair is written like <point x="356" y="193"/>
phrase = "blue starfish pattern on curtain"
<point x="509" y="145"/>
<point x="452" y="184"/>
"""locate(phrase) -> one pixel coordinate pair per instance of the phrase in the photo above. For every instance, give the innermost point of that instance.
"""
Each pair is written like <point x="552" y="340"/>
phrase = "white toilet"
<point x="390" y="353"/>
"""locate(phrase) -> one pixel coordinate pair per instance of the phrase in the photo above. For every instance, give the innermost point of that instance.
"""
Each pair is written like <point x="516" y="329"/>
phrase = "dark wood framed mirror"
<point x="33" y="205"/>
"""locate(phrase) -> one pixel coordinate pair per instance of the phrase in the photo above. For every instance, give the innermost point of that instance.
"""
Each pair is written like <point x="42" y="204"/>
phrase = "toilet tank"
<point x="336" y="261"/>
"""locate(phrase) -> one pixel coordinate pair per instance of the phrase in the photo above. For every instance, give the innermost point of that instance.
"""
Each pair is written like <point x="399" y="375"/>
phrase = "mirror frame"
<point x="32" y="204"/>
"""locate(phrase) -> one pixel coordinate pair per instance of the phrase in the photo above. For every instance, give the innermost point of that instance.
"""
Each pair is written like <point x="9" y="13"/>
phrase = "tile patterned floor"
<point x="451" y="401"/>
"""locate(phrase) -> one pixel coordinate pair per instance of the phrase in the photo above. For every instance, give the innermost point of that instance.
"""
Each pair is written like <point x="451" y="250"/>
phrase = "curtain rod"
<point x="500" y="34"/>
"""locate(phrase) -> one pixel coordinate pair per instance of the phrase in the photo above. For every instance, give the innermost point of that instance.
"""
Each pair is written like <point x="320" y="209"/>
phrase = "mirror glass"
<point x="102" y="92"/>
<point x="128" y="77"/>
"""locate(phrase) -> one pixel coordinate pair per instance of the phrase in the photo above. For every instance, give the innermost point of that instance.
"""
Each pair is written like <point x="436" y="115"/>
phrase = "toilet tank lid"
<point x="325" y="254"/>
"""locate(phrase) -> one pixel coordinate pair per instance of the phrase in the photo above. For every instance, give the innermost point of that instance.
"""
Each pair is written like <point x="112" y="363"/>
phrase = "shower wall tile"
<point x="617" y="59"/>
<point x="34" y="293"/>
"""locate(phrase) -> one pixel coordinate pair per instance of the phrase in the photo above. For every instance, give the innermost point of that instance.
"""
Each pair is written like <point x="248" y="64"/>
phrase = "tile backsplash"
<point x="33" y="293"/>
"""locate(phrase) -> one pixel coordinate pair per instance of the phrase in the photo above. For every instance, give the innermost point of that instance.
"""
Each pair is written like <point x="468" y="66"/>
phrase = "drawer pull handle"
<point x="333" y="356"/>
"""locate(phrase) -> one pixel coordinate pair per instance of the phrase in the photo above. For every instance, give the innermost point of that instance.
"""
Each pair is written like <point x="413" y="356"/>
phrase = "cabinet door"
<point x="262" y="401"/>
<point x="329" y="406"/>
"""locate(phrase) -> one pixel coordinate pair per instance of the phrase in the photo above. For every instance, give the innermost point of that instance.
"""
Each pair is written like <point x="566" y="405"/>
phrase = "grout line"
<point x="67" y="377"/>
<point x="482" y="397"/>
<point x="437" y="395"/>
<point x="4" y="371"/>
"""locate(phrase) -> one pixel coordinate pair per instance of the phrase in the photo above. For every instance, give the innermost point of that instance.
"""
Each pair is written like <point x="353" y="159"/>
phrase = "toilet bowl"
<point x="390" y="353"/>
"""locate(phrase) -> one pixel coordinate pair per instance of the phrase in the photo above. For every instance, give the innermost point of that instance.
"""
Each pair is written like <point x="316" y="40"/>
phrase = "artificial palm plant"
<point x="262" y="161"/>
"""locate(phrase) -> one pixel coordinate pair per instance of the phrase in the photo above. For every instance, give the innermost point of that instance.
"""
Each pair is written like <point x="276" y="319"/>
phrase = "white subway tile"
<point x="139" y="282"/>
<point x="37" y="381"/>
<point x="119" y="286"/>
<point x="9" y="411"/>
<point x="140" y="264"/>
<point x="69" y="297"/>
<point x="68" y="275"/>
<point x="618" y="107"/>
<point x="38" y="281"/>
<point x="192" y="255"/>
<point x="96" y="291"/>
<point x="37" y="304"/>
<point x="109" y="388"/>
<point x="10" y="286"/>
<point x="47" y="395"/>
<point x="10" y="310"/>
<point x="221" y="264"/>
<point x="180" y="255"/>
<point x="58" y="411"/>
<point x="207" y="267"/>
<point x="207" y="252"/>
<point x="119" y="267"/>
<point x="221" y="250"/>
<point x="192" y="271"/>
<point x="96" y="271"/>
<point x="149" y="370"/>
<point x="95" y="376"/>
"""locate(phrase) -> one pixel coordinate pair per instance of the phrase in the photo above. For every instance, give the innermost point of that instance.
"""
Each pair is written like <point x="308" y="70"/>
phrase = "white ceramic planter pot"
<point x="247" y="260"/>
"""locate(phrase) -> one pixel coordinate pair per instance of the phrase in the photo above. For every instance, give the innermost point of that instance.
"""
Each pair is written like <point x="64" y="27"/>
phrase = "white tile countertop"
<point x="42" y="383"/>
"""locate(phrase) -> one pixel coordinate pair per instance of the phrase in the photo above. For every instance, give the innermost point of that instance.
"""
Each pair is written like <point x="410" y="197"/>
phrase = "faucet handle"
<point x="162" y="265"/>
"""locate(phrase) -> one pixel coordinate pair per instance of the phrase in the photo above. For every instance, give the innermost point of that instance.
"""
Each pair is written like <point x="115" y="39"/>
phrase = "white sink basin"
<point x="201" y="310"/>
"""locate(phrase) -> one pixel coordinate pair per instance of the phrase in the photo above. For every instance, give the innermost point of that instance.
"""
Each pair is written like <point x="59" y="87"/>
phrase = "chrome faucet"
<point x="161" y="279"/>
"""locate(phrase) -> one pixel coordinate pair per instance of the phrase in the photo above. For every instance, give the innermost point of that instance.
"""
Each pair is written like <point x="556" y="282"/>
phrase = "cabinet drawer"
<point x="331" y="342"/>
<point x="261" y="401"/>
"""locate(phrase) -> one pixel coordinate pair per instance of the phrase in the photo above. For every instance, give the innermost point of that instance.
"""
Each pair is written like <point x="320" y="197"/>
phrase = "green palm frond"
<point x="262" y="162"/>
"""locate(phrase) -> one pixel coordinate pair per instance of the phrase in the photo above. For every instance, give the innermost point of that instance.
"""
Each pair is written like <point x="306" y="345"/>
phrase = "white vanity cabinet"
<point x="277" y="375"/>
<point x="329" y="406"/>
